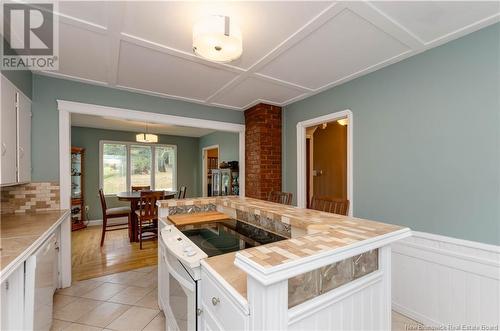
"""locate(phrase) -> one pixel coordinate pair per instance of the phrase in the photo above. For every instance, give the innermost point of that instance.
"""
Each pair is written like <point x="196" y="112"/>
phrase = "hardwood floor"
<point x="89" y="260"/>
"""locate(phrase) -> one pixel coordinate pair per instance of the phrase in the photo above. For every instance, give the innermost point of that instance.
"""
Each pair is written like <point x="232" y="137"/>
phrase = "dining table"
<point x="133" y="197"/>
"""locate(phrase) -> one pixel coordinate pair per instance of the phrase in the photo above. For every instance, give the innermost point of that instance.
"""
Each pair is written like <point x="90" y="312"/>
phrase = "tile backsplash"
<point x="30" y="197"/>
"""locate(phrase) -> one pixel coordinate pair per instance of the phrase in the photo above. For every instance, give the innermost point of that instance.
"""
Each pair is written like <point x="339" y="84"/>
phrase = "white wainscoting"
<point x="439" y="280"/>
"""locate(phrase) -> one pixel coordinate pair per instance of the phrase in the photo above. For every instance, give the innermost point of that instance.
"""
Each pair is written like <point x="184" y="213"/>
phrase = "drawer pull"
<point x="215" y="301"/>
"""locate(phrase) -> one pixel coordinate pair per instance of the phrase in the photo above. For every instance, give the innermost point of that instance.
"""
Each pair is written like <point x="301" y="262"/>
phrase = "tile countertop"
<point x="224" y="266"/>
<point x="21" y="233"/>
<point x="312" y="231"/>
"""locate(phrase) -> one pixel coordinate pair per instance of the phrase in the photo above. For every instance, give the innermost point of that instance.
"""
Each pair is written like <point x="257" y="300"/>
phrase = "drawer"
<point x="220" y="306"/>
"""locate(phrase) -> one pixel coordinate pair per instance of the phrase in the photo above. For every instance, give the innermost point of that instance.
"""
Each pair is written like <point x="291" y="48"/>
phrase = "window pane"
<point x="165" y="168"/>
<point x="114" y="166"/>
<point x="140" y="160"/>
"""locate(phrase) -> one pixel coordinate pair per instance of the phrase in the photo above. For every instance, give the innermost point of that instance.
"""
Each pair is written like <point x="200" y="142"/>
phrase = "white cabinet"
<point x="39" y="286"/>
<point x="23" y="139"/>
<point x="220" y="310"/>
<point x="12" y="301"/>
<point x="9" y="133"/>
<point x="15" y="165"/>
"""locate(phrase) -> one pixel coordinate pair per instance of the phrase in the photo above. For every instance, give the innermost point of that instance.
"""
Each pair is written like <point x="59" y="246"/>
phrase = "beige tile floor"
<point x="125" y="301"/>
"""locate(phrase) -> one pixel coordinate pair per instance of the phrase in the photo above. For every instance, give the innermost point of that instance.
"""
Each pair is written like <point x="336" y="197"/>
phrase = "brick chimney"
<point x="262" y="150"/>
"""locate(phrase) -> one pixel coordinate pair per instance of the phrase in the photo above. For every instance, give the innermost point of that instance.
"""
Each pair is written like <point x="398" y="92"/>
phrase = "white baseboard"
<point x="440" y="280"/>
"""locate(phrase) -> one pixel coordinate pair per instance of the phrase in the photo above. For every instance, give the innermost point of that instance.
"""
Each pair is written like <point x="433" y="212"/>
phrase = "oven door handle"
<point x="182" y="280"/>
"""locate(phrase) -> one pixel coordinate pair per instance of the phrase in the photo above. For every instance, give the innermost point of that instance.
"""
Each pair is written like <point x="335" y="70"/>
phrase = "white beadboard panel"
<point x="168" y="74"/>
<point x="431" y="20"/>
<point x="359" y="311"/>
<point x="338" y="57"/>
<point x="170" y="23"/>
<point x="439" y="280"/>
<point x="85" y="53"/>
<point x="252" y="89"/>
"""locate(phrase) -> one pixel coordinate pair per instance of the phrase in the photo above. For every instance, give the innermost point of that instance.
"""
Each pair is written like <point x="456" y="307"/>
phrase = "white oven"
<point x="179" y="269"/>
<point x="179" y="272"/>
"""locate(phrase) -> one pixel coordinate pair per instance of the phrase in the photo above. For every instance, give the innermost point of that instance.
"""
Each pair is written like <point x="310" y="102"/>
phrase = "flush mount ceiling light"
<point x="343" y="121"/>
<point x="217" y="38"/>
<point x="146" y="137"/>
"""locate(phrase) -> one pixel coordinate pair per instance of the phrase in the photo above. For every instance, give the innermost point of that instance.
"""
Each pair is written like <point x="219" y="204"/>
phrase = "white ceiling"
<point x="291" y="50"/>
<point x="109" y="123"/>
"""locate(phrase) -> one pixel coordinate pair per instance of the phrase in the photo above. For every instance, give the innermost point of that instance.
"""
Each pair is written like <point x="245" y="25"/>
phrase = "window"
<point x="123" y="164"/>
<point x="114" y="165"/>
<point x="165" y="166"/>
<point x="140" y="162"/>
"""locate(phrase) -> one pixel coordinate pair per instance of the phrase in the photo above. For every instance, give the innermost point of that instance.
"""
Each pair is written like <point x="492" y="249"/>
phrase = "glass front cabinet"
<point x="77" y="189"/>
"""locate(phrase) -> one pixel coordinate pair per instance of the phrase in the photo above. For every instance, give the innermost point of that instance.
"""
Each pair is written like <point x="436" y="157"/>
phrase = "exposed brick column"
<point x="262" y="150"/>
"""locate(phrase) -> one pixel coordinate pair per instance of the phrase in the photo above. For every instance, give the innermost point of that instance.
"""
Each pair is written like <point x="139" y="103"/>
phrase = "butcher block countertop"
<point x="21" y="234"/>
<point x="197" y="218"/>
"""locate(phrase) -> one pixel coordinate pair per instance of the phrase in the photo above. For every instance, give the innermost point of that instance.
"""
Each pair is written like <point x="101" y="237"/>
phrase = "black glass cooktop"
<point x="231" y="236"/>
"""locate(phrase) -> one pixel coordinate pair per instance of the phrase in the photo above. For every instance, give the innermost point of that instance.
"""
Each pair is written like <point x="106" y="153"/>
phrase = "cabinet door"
<point x="8" y="135"/>
<point x="12" y="298"/>
<point x="24" y="139"/>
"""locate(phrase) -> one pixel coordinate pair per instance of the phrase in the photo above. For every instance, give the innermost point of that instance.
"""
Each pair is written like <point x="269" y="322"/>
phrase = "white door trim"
<point x="301" y="155"/>
<point x="66" y="108"/>
<point x="204" y="167"/>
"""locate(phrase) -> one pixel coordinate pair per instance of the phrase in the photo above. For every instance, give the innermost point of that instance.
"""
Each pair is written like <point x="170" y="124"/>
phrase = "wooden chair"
<point x="182" y="192"/>
<point x="147" y="215"/>
<point x="108" y="213"/>
<point x="138" y="188"/>
<point x="280" y="197"/>
<point x="330" y="205"/>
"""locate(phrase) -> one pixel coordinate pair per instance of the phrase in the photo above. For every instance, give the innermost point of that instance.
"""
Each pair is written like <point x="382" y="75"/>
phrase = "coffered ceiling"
<point x="291" y="50"/>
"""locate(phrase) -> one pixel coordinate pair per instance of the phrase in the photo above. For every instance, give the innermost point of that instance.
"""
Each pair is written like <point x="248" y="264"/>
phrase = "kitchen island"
<point x="321" y="270"/>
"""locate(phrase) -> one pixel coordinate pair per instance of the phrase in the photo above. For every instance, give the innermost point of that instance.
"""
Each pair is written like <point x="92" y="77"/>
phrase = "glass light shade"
<point x="146" y="138"/>
<point x="343" y="121"/>
<point x="217" y="38"/>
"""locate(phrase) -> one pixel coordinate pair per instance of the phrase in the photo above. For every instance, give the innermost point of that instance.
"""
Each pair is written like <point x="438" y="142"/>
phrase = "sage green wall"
<point x="187" y="162"/>
<point x="426" y="139"/>
<point x="45" y="134"/>
<point x="228" y="144"/>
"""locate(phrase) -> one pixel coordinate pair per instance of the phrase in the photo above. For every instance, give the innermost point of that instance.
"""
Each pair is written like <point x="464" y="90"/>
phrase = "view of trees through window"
<point x="153" y="165"/>
<point x="114" y="168"/>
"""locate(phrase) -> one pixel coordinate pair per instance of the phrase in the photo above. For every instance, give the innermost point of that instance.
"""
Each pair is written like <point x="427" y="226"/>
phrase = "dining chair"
<point x="147" y="215"/>
<point x="284" y="198"/>
<point x="138" y="188"/>
<point x="330" y="205"/>
<point x="181" y="194"/>
<point x="109" y="213"/>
